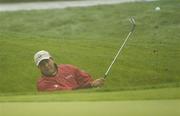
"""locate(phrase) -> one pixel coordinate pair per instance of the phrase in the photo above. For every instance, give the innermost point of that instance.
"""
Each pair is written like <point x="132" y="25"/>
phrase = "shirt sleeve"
<point x="84" y="80"/>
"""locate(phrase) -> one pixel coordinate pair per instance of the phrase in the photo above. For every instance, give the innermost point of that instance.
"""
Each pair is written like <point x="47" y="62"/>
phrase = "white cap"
<point x="41" y="55"/>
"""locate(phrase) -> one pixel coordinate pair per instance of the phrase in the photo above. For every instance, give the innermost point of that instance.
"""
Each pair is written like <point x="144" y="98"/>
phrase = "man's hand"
<point x="98" y="82"/>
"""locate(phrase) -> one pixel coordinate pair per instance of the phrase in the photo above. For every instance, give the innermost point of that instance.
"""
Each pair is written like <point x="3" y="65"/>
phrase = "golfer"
<point x="61" y="77"/>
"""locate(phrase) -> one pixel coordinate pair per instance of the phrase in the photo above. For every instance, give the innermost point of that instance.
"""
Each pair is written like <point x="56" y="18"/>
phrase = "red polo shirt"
<point x="68" y="77"/>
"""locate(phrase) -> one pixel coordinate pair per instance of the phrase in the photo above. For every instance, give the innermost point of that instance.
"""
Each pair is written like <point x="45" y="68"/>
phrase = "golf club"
<point x="132" y="21"/>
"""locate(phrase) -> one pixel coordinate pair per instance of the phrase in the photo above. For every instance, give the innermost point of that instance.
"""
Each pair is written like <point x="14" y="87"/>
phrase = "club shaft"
<point x="119" y="51"/>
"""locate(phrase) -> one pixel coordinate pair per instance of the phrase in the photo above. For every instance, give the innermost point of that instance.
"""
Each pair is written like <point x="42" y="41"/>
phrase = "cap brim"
<point x="44" y="58"/>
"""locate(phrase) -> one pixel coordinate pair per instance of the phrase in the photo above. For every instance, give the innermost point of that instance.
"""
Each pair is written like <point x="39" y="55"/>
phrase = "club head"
<point x="132" y="21"/>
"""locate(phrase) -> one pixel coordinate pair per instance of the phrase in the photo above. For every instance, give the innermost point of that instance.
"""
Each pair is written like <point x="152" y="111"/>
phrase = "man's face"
<point x="47" y="67"/>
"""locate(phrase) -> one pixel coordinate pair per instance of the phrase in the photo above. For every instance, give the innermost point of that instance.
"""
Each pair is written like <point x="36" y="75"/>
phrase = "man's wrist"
<point x="92" y="83"/>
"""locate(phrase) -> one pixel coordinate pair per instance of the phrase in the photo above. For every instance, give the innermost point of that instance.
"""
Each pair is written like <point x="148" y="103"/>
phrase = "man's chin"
<point x="49" y="74"/>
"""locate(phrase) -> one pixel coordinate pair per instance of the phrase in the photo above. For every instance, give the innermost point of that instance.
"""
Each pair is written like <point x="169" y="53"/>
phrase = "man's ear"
<point x="38" y="67"/>
<point x="51" y="58"/>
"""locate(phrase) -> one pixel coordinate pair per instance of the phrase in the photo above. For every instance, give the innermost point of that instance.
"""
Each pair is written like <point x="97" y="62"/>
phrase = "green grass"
<point x="150" y="94"/>
<point x="125" y="108"/>
<point x="16" y="1"/>
<point x="89" y="38"/>
<point x="143" y="82"/>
